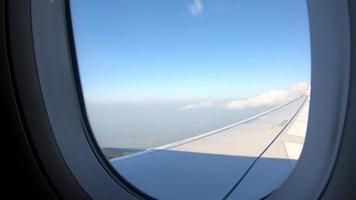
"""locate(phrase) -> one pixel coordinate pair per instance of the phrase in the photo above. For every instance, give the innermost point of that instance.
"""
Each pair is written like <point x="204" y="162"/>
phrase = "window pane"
<point x="184" y="97"/>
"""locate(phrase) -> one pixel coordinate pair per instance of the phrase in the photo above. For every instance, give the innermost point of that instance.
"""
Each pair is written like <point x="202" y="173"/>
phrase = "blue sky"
<point x="182" y="50"/>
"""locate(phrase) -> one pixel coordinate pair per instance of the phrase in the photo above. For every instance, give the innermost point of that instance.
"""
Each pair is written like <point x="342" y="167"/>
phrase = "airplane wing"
<point x="246" y="160"/>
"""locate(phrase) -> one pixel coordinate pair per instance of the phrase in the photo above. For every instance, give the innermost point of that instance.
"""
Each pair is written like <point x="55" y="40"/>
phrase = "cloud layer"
<point x="196" y="8"/>
<point x="270" y="98"/>
<point x="203" y="104"/>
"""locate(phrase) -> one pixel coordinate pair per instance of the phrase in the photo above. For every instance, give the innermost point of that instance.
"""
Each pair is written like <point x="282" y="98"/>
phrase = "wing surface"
<point x="245" y="160"/>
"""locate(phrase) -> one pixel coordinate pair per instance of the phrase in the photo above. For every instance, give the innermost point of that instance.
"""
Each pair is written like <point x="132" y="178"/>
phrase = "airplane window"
<point x="196" y="99"/>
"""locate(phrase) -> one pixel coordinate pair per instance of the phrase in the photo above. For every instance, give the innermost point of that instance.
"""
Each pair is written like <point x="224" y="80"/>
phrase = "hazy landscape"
<point x="151" y="125"/>
<point x="125" y="128"/>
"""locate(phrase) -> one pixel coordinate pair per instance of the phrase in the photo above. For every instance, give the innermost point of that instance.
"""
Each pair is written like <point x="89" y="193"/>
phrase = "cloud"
<point x="271" y="98"/>
<point x="203" y="104"/>
<point x="196" y="8"/>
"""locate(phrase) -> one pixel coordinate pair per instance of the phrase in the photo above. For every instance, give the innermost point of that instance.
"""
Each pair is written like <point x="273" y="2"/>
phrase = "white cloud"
<point x="196" y="8"/>
<point x="270" y="98"/>
<point x="203" y="104"/>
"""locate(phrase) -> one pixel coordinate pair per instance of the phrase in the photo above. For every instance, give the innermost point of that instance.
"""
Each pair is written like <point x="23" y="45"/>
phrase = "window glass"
<point x="179" y="83"/>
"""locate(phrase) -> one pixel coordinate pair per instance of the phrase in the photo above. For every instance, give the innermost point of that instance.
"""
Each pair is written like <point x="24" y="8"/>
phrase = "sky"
<point x="202" y="51"/>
